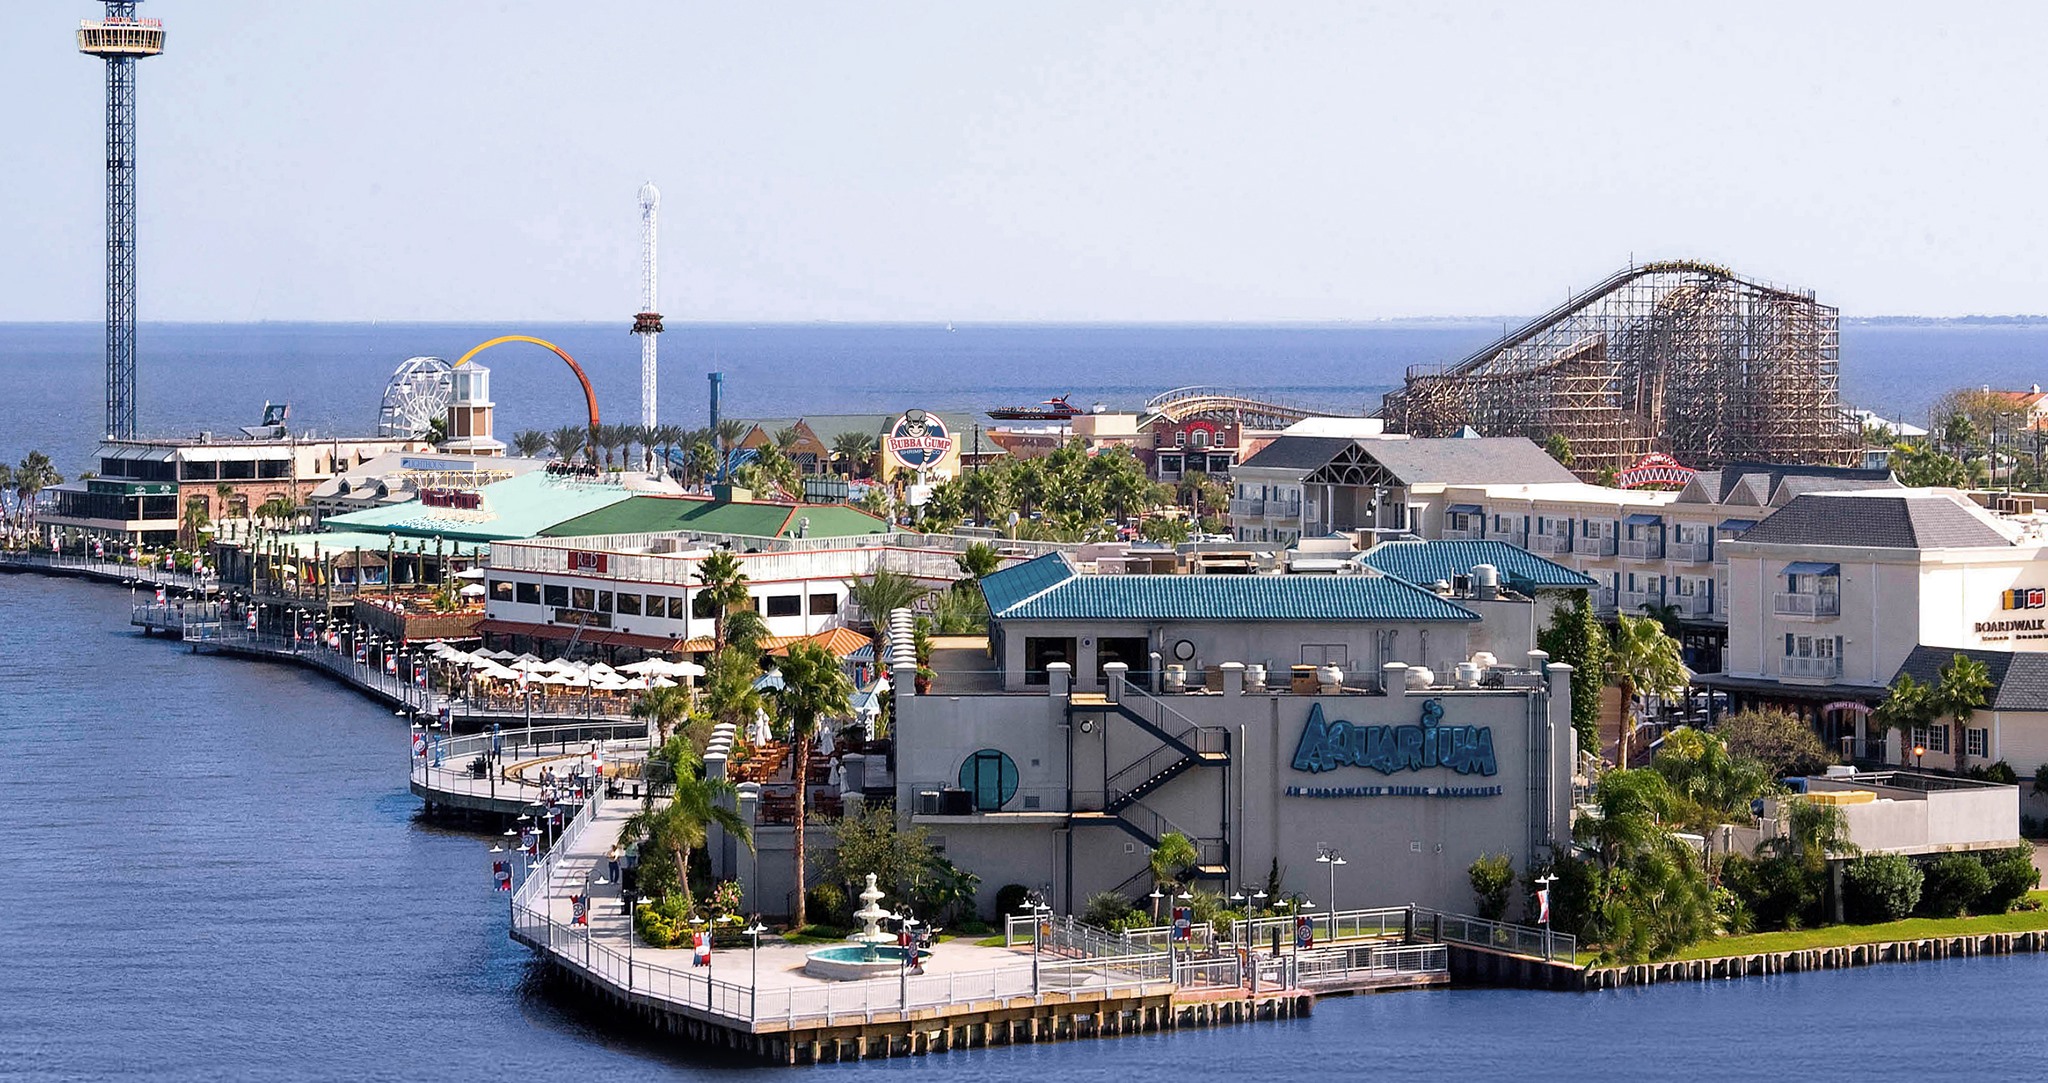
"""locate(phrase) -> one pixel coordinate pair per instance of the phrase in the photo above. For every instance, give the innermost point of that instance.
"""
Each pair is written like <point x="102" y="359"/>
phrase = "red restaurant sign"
<point x="582" y="561"/>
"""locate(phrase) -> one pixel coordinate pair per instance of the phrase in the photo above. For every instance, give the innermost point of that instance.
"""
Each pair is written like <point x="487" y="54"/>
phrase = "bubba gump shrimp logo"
<point x="918" y="440"/>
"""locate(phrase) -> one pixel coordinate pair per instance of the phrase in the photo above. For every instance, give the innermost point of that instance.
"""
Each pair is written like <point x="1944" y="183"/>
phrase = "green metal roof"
<point x="520" y="507"/>
<point x="652" y="514"/>
<point x="1049" y="589"/>
<point x="1425" y="562"/>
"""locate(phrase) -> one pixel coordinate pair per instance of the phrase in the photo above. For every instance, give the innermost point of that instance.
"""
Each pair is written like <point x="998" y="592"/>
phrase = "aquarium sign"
<point x="918" y="440"/>
<point x="1326" y="745"/>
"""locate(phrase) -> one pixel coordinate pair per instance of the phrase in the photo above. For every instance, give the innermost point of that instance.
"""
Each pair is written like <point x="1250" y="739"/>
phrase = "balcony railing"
<point x="1251" y="508"/>
<point x="1593" y="546"/>
<point x="1811" y="606"/>
<point x="1603" y="598"/>
<point x="1633" y="601"/>
<point x="1549" y="543"/>
<point x="1694" y="606"/>
<point x="1692" y="552"/>
<point x="1643" y="548"/>
<point x="1829" y="668"/>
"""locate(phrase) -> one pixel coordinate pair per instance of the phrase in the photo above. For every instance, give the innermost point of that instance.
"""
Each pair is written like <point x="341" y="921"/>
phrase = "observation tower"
<point x="647" y="322"/>
<point x="121" y="39"/>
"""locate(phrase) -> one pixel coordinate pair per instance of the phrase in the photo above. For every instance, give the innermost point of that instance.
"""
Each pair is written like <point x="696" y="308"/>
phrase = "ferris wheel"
<point x="419" y="393"/>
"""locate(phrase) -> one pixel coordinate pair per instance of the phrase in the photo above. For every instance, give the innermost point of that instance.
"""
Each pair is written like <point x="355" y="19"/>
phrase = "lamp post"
<point x="1330" y="858"/>
<point x="754" y="932"/>
<point x="1918" y="751"/>
<point x="1543" y="899"/>
<point x="906" y="943"/>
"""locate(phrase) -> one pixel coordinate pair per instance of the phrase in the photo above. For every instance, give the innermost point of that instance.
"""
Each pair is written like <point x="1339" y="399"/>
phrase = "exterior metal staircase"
<point x="1181" y="749"/>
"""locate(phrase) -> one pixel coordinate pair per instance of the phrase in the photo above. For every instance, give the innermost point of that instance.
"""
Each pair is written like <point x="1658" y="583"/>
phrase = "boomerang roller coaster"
<point x="1679" y="357"/>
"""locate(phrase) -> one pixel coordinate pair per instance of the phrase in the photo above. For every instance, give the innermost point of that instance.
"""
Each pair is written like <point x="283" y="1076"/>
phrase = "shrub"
<point x="1493" y="877"/>
<point x="1012" y="899"/>
<point x="1778" y="892"/>
<point x="2012" y="875"/>
<point x="1107" y="910"/>
<point x="1881" y="887"/>
<point x="1953" y="883"/>
<point x="826" y="904"/>
<point x="1998" y="771"/>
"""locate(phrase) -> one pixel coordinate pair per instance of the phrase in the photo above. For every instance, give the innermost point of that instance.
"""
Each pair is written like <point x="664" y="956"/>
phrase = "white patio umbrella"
<point x="503" y="656"/>
<point x="481" y="660"/>
<point x="646" y="667"/>
<point x="685" y="669"/>
<point x="496" y="672"/>
<point x="563" y="665"/>
<point x="663" y="682"/>
<point x="531" y="664"/>
<point x="474" y="590"/>
<point x="470" y="573"/>
<point x="610" y="684"/>
<point x="599" y="669"/>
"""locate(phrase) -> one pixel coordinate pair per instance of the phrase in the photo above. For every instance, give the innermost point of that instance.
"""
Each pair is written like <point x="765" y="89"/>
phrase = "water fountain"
<point x="873" y="952"/>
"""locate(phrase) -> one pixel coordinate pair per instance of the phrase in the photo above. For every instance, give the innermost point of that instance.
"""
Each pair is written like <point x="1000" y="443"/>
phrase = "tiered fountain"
<point x="873" y="952"/>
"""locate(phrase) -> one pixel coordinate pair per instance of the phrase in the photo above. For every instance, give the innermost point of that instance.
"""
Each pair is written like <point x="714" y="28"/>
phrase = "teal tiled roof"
<point x="1049" y="589"/>
<point x="1425" y="562"/>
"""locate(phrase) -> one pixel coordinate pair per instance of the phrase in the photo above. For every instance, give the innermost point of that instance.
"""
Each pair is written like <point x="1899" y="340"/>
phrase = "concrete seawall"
<point x="1762" y="964"/>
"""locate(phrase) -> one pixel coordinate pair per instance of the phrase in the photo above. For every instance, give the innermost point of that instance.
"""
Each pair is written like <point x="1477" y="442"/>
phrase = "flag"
<point x="1304" y="932"/>
<point x="1183" y="924"/>
<point x="502" y="872"/>
<point x="1543" y="906"/>
<point x="419" y="676"/>
<point x="252" y="620"/>
<point x="159" y="595"/>
<point x="362" y="653"/>
<point x="580" y="906"/>
<point x="391" y="664"/>
<point x="419" y="744"/>
<point x="701" y="942"/>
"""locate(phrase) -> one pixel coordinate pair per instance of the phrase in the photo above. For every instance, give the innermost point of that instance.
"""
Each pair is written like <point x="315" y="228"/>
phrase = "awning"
<point x="1463" y="509"/>
<point x="1736" y="524"/>
<point x="1811" y="567"/>
<point x="1643" y="519"/>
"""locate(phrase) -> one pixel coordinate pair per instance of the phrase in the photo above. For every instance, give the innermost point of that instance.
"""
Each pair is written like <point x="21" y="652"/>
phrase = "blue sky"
<point x="376" y="159"/>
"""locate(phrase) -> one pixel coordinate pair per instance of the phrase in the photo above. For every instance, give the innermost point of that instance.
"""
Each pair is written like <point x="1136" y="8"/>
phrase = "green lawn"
<point x="1835" y="936"/>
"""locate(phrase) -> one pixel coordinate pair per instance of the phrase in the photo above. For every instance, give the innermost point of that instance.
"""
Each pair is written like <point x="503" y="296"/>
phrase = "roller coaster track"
<point x="1217" y="403"/>
<point x="1680" y="357"/>
<point x="1476" y="364"/>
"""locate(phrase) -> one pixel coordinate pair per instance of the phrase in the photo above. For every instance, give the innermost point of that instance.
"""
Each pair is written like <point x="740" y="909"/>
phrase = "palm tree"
<point x="30" y="478"/>
<point x="728" y="433"/>
<point x="787" y="439"/>
<point x="1644" y="661"/>
<point x="700" y="461"/>
<point x="1908" y="705"/>
<point x="1666" y="614"/>
<point x="884" y="593"/>
<point x="663" y="708"/>
<point x="814" y="686"/>
<point x="1028" y="484"/>
<point x="681" y="826"/>
<point x="276" y="510"/>
<point x="725" y="589"/>
<point x="529" y="442"/>
<point x="1170" y="859"/>
<point x="666" y="438"/>
<point x="1962" y="689"/>
<point x="567" y="441"/>
<point x="986" y="492"/>
<point x="854" y="451"/>
<point x="979" y="561"/>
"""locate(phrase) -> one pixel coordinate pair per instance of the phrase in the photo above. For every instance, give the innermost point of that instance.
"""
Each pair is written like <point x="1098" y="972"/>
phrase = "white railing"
<point x="1786" y="604"/>
<point x="1498" y="935"/>
<point x="1368" y="961"/>
<point x="1594" y="546"/>
<point x="1549" y="543"/>
<point x="1690" y="552"/>
<point x="1810" y="667"/>
<point x="1380" y="922"/>
<point x="1643" y="548"/>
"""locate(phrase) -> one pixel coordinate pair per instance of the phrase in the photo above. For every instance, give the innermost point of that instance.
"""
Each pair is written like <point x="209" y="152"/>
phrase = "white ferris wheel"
<point x="418" y="394"/>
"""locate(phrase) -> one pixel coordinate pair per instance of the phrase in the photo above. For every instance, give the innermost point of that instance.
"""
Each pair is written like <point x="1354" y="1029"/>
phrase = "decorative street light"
<point x="754" y="932"/>
<point x="1543" y="905"/>
<point x="1328" y="856"/>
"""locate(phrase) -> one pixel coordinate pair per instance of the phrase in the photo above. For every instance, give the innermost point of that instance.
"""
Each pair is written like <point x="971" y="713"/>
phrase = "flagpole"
<point x="1543" y="904"/>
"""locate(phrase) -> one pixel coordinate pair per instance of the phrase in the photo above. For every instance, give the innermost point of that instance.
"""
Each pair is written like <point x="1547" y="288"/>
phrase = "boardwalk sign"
<point x="918" y="440"/>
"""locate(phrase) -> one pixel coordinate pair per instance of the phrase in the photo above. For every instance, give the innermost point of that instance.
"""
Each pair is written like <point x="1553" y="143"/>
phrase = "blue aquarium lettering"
<point x="1326" y="746"/>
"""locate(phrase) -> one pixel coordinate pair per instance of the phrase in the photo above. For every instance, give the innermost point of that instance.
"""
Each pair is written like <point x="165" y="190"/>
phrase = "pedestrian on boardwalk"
<point x="612" y="858"/>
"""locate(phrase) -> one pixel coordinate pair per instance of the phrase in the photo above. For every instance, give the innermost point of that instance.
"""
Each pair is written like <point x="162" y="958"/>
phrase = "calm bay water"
<point x="218" y="376"/>
<point x="215" y="872"/>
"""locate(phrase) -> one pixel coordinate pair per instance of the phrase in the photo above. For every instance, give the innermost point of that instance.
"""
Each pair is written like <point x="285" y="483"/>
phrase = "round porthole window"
<point x="1184" y="650"/>
<point x="990" y="779"/>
